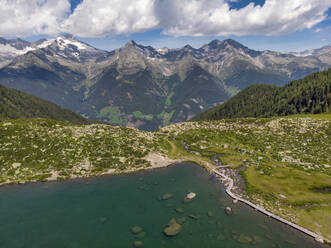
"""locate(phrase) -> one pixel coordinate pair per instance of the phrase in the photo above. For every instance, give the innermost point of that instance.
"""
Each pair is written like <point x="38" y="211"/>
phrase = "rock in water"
<point x="173" y="228"/>
<point x="181" y="220"/>
<point x="244" y="239"/>
<point x="179" y="210"/>
<point x="140" y="235"/>
<point x="228" y="210"/>
<point x="167" y="196"/>
<point x="194" y="217"/>
<point x="137" y="244"/>
<point x="235" y="201"/>
<point x="136" y="229"/>
<point x="103" y="220"/>
<point x="190" y="197"/>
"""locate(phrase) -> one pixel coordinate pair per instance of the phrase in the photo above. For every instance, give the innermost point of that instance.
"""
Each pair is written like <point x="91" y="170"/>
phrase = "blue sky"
<point x="291" y="25"/>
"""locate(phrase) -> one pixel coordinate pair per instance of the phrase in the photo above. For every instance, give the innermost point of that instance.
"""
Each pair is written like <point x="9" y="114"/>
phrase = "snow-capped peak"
<point x="63" y="42"/>
<point x="162" y="50"/>
<point x="45" y="43"/>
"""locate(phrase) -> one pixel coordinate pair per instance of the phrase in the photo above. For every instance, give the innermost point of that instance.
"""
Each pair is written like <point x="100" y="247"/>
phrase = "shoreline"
<point x="166" y="162"/>
<point x="228" y="188"/>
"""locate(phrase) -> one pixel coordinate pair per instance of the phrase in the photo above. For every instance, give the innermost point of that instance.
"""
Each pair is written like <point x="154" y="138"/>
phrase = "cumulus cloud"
<point x="104" y="17"/>
<point x="214" y="17"/>
<point x="95" y="18"/>
<point x="32" y="17"/>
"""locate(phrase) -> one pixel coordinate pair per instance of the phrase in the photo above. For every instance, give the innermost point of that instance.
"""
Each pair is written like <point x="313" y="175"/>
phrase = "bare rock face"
<point x="173" y="228"/>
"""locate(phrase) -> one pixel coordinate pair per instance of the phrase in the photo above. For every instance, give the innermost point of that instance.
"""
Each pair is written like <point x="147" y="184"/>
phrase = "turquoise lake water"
<point x="99" y="213"/>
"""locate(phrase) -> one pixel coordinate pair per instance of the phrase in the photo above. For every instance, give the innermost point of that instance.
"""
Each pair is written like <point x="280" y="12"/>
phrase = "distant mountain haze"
<point x="145" y="87"/>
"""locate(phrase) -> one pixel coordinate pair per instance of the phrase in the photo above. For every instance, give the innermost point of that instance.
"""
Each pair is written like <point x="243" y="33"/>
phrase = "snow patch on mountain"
<point x="63" y="43"/>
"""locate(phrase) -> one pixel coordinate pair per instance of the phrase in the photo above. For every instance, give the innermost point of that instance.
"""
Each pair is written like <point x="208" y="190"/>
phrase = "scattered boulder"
<point x="228" y="210"/>
<point x="181" y="220"/>
<point x="173" y="228"/>
<point x="244" y="239"/>
<point x="194" y="217"/>
<point x="190" y="197"/>
<point x="140" y="235"/>
<point x="167" y="196"/>
<point x="137" y="244"/>
<point x="179" y="210"/>
<point x="136" y="229"/>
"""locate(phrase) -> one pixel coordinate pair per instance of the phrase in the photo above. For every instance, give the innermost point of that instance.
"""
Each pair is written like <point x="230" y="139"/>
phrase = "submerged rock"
<point x="195" y="217"/>
<point x="220" y="237"/>
<point x="210" y="214"/>
<point x="136" y="229"/>
<point x="244" y="239"/>
<point x="256" y="239"/>
<point x="102" y="220"/>
<point x="167" y="196"/>
<point x="137" y="244"/>
<point x="140" y="235"/>
<point x="173" y="228"/>
<point x="181" y="220"/>
<point x="228" y="210"/>
<point x="179" y="210"/>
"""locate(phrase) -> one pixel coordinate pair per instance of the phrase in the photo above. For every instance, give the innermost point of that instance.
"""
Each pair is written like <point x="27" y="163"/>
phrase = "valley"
<point x="144" y="87"/>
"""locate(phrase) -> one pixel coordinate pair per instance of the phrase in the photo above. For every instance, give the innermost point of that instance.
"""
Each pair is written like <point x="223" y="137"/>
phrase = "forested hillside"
<point x="310" y="95"/>
<point x="15" y="104"/>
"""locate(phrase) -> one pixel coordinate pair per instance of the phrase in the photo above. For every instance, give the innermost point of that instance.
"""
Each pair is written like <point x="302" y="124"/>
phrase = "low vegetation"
<point x="41" y="149"/>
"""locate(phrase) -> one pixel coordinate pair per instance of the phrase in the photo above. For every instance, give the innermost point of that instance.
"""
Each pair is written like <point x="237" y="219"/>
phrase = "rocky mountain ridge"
<point x="145" y="87"/>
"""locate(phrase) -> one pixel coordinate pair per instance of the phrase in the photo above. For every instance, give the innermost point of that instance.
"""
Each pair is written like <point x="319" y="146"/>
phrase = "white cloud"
<point x="104" y="17"/>
<point x="95" y="18"/>
<point x="32" y="17"/>
<point x="213" y="17"/>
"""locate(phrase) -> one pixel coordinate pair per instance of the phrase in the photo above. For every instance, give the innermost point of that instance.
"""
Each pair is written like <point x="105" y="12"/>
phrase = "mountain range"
<point x="145" y="87"/>
<point x="310" y="95"/>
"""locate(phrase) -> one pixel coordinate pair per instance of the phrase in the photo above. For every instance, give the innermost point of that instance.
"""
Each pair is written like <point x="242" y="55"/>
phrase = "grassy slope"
<point x="15" y="104"/>
<point x="288" y="158"/>
<point x="288" y="161"/>
<point x="30" y="149"/>
<point x="311" y="94"/>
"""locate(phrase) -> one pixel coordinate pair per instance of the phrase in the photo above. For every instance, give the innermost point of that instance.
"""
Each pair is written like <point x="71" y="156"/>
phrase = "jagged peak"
<point x="233" y="43"/>
<point x="188" y="47"/>
<point x="215" y="43"/>
<point x="131" y="43"/>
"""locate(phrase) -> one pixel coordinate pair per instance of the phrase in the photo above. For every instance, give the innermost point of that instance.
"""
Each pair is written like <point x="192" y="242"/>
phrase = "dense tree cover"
<point x="15" y="104"/>
<point x="310" y="95"/>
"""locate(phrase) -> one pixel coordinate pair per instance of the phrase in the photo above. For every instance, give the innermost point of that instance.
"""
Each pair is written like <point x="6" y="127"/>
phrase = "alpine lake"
<point x="100" y="212"/>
